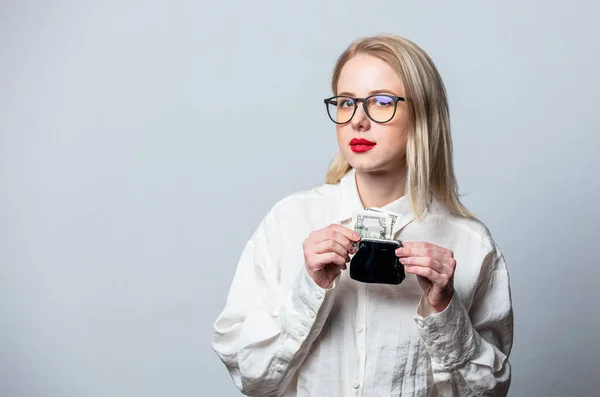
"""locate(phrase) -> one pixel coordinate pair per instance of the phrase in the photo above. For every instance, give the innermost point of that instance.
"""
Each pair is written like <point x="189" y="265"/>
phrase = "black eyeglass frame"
<point x="364" y="101"/>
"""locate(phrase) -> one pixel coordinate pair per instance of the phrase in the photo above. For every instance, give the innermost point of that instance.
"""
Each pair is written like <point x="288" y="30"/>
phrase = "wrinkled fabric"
<point x="280" y="334"/>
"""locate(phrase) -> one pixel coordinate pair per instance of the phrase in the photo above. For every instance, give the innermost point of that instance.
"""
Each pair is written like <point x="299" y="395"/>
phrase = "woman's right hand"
<point x="326" y="252"/>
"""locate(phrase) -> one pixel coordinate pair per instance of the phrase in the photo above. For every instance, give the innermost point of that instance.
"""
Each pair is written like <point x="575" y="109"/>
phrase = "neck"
<point x="377" y="189"/>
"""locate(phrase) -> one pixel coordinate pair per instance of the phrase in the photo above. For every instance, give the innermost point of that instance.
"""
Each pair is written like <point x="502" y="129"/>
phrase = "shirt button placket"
<point x="361" y="339"/>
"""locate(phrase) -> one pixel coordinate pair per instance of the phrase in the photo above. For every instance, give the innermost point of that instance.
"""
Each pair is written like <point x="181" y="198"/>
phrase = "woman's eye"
<point x="383" y="101"/>
<point x="346" y="103"/>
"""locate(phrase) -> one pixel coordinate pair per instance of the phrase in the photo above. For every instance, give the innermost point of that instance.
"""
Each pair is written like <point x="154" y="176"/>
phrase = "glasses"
<point x="380" y="108"/>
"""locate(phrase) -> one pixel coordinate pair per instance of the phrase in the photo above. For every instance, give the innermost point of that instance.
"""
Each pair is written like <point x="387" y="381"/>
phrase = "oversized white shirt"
<point x="280" y="334"/>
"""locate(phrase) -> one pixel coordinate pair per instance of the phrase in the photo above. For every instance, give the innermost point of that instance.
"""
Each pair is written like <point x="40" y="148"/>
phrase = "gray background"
<point x="141" y="142"/>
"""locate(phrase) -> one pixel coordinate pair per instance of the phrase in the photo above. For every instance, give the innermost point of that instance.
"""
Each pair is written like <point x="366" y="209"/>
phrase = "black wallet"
<point x="376" y="262"/>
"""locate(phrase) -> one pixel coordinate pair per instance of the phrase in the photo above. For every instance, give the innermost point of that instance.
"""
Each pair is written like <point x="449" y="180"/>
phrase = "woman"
<point x="296" y="324"/>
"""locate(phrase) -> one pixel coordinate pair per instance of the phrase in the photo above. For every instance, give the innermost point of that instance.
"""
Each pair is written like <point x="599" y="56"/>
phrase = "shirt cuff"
<point x="306" y="310"/>
<point x="449" y="336"/>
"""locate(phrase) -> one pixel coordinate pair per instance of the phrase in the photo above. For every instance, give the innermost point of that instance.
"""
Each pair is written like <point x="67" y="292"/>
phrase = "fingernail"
<point x="399" y="251"/>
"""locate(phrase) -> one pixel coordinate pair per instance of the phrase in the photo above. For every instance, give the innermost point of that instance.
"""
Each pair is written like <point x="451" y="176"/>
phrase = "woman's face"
<point x="360" y="77"/>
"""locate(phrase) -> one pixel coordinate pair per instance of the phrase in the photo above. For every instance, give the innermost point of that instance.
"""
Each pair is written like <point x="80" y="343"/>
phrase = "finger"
<point x="421" y="253"/>
<point x="332" y="234"/>
<point x="428" y="246"/>
<point x="331" y="258"/>
<point x="433" y="253"/>
<point x="347" y="232"/>
<point x="440" y="280"/>
<point x="331" y="246"/>
<point x="427" y="263"/>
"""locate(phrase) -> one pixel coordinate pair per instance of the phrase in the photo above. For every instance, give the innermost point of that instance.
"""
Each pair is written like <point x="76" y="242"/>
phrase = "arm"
<point x="469" y="351"/>
<point x="264" y="333"/>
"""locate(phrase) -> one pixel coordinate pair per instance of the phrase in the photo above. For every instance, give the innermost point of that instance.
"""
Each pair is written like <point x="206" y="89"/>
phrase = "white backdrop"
<point x="141" y="142"/>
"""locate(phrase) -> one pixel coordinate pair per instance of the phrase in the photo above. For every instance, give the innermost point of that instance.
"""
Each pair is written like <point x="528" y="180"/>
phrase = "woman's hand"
<point x="434" y="267"/>
<point x="326" y="252"/>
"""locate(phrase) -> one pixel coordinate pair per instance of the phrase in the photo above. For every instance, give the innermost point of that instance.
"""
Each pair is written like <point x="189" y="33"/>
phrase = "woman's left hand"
<point x="434" y="267"/>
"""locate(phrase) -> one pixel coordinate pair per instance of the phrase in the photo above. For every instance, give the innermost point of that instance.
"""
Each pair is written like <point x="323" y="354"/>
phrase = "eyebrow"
<point x="374" y="92"/>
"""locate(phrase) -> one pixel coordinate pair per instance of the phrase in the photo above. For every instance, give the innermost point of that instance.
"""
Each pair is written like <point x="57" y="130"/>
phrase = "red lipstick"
<point x="361" y="145"/>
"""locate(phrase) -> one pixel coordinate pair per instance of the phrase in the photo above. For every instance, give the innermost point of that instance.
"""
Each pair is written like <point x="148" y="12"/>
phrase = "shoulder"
<point x="471" y="234"/>
<point x="481" y="260"/>
<point x="314" y="205"/>
<point x="307" y="203"/>
<point x="472" y="229"/>
<point x="289" y="221"/>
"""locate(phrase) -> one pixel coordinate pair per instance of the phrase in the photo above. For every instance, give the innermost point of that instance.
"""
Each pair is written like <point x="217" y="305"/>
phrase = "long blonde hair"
<point x="430" y="172"/>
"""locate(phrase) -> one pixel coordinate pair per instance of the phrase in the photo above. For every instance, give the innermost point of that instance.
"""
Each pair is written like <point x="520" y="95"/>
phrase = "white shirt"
<point x="280" y="334"/>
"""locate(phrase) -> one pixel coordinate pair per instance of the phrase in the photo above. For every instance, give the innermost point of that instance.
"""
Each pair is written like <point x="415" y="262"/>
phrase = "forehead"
<point x="365" y="73"/>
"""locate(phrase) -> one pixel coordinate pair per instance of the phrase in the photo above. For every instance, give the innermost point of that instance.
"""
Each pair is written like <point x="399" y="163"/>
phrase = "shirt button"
<point x="278" y="368"/>
<point x="355" y="384"/>
<point x="311" y="314"/>
<point x="318" y="295"/>
<point x="360" y="330"/>
<point x="301" y="333"/>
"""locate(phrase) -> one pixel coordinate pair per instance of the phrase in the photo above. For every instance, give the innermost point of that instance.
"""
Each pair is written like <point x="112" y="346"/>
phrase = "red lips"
<point x="361" y="141"/>
<point x="361" y="145"/>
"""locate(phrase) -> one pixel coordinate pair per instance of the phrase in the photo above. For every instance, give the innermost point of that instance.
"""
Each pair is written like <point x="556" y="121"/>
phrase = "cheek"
<point x="342" y="132"/>
<point x="400" y="134"/>
<point x="394" y="141"/>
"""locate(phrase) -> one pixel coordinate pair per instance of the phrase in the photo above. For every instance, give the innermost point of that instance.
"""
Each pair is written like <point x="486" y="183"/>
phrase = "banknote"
<point x="370" y="224"/>
<point x="392" y="217"/>
<point x="374" y="223"/>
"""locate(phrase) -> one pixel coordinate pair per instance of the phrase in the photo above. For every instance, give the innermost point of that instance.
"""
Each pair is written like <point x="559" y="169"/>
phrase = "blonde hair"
<point x="430" y="172"/>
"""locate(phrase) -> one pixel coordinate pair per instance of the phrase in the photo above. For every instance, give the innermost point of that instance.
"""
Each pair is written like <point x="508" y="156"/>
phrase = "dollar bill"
<point x="374" y="223"/>
<point x="394" y="217"/>
<point x="370" y="224"/>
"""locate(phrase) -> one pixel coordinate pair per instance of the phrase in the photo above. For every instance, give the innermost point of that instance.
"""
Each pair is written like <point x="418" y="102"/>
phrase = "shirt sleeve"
<point x="264" y="333"/>
<point x="469" y="350"/>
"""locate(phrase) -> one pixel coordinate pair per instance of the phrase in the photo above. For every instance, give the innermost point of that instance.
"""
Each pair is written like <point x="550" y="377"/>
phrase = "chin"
<point x="364" y="165"/>
<point x="372" y="165"/>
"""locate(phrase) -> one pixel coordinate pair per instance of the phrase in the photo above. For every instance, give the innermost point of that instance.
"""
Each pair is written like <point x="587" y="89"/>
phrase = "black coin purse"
<point x="376" y="262"/>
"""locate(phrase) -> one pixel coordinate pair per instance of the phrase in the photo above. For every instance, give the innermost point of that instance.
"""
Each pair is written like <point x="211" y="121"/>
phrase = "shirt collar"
<point x="350" y="202"/>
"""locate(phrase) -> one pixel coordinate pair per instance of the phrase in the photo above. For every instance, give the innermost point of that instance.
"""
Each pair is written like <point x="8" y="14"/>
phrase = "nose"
<point x="360" y="121"/>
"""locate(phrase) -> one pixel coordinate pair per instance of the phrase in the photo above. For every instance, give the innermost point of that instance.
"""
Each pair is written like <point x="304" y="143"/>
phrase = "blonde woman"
<point x="296" y="324"/>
